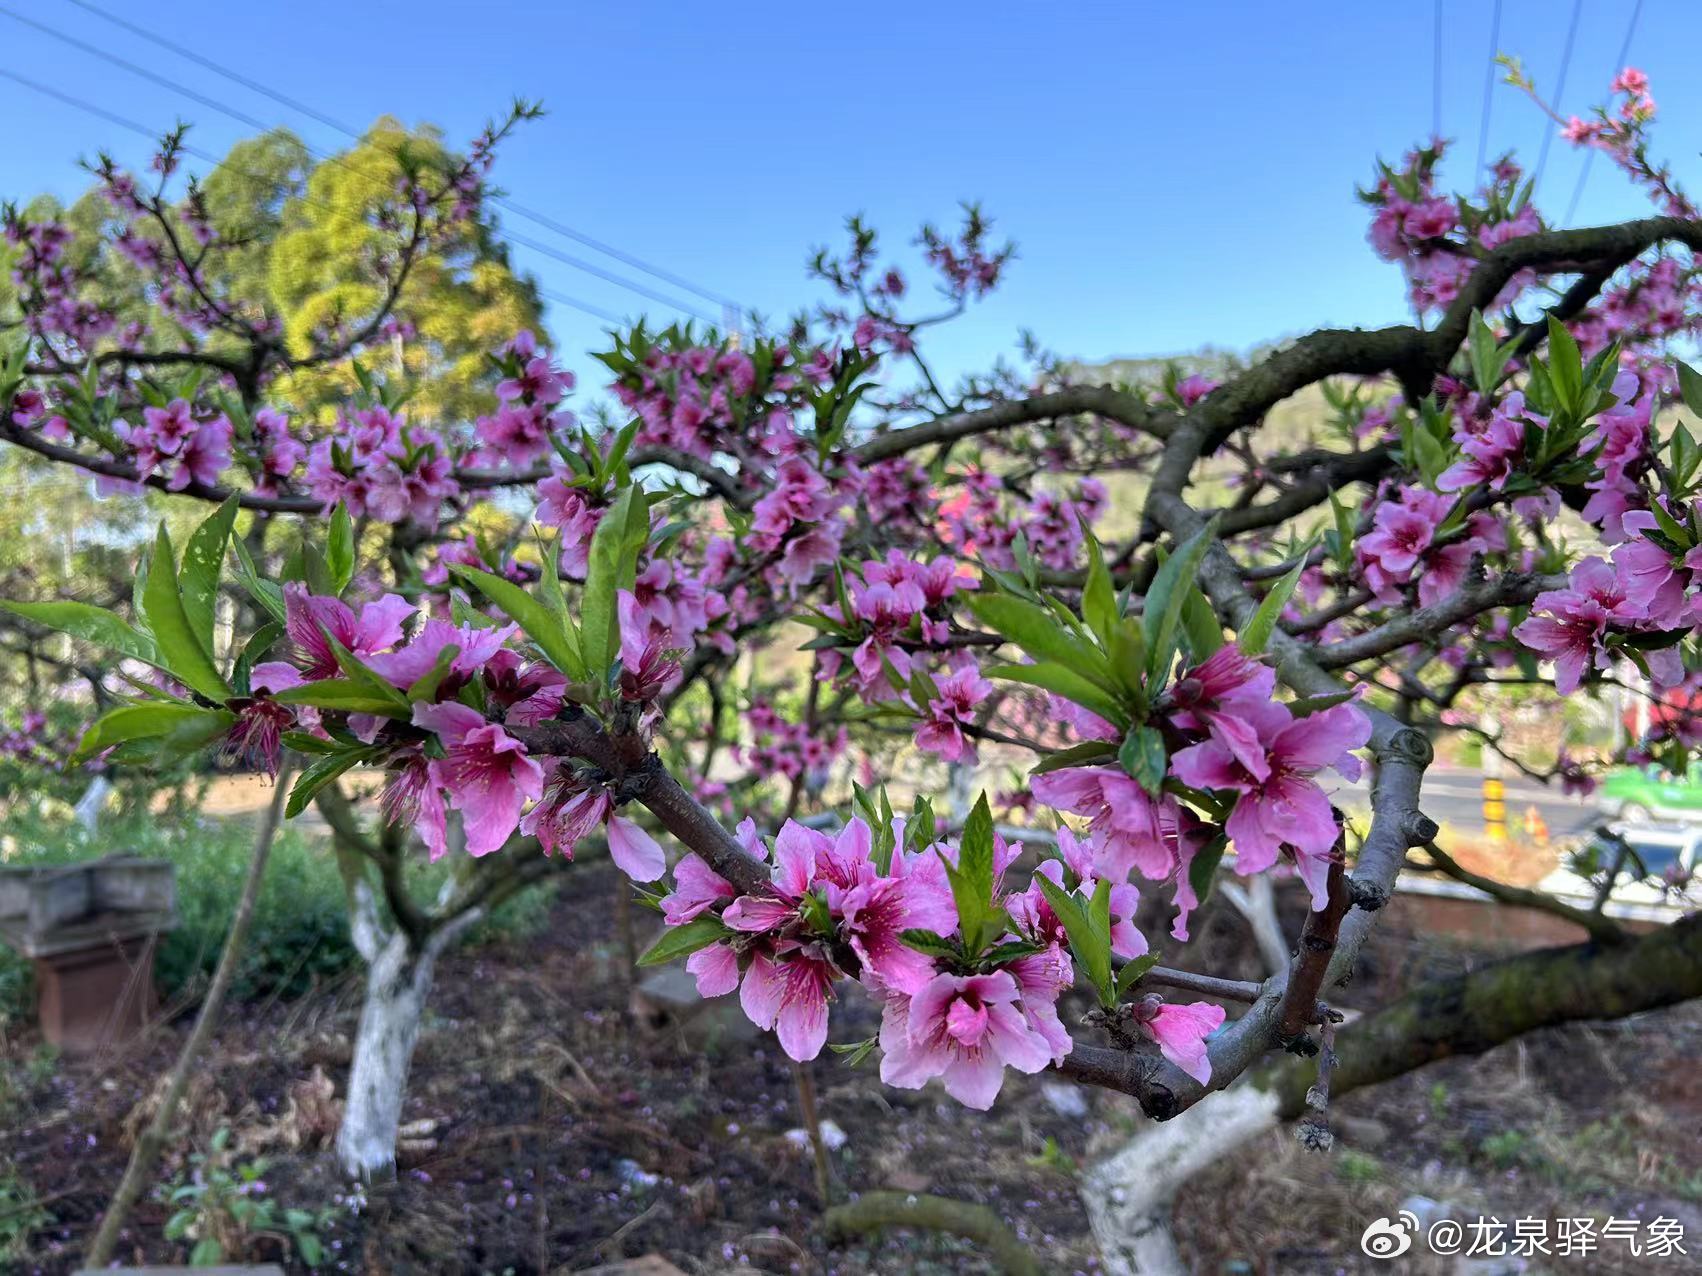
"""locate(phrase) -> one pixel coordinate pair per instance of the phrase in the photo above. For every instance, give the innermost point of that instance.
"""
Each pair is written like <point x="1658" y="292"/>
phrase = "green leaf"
<point x="265" y="592"/>
<point x="1067" y="683"/>
<point x="972" y="877"/>
<point x="925" y="941"/>
<point x="1344" y="534"/>
<point x="1133" y="972"/>
<point x="1257" y="635"/>
<point x="1088" y="753"/>
<point x="1203" y="871"/>
<point x="1038" y="632"/>
<point x="426" y="685"/>
<point x="1094" y="956"/>
<point x="207" y="1253"/>
<point x="308" y="1246"/>
<point x="203" y="563"/>
<point x="343" y="695"/>
<point x="1099" y="595"/>
<point x="1488" y="359"/>
<point x="91" y="624"/>
<point x="180" y="647"/>
<point x="1690" y="387"/>
<point x="1202" y="628"/>
<point x="1166" y="599"/>
<point x="340" y="550"/>
<point x="682" y="941"/>
<point x="142" y="722"/>
<point x="1144" y="758"/>
<point x="1565" y="366"/>
<point x="540" y="623"/>
<point x="1676" y="531"/>
<point x="1128" y="658"/>
<point x="321" y="773"/>
<point x="613" y="567"/>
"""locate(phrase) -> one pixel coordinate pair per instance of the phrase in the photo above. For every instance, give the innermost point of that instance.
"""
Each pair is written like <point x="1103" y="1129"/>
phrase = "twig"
<point x="152" y="1140"/>
<point x="812" y="1123"/>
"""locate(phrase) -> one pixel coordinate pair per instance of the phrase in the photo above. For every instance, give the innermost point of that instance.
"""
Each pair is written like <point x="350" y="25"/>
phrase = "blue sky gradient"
<point x="1174" y="175"/>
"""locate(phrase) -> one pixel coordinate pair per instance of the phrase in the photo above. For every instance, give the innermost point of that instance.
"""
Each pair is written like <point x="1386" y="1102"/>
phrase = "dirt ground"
<point x="549" y="1133"/>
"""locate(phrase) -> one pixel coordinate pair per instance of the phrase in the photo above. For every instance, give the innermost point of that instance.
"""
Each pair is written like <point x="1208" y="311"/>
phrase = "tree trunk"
<point x="398" y="981"/>
<point x="1128" y="1194"/>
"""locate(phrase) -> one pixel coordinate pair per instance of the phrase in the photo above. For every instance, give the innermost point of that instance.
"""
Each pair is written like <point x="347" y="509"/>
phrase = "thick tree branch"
<point x="1481" y="1008"/>
<point x="1603" y="930"/>
<point x="1099" y="400"/>
<point x="1511" y="590"/>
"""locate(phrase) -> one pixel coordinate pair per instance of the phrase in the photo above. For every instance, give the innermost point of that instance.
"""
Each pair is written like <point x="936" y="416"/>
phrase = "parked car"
<point x="1656" y="877"/>
<point x="1642" y="795"/>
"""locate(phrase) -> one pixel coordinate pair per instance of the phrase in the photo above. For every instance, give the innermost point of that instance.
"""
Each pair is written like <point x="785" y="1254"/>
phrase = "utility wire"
<point x="250" y="121"/>
<point x="1590" y="153"/>
<point x="153" y="134"/>
<point x="1489" y="87"/>
<point x="1559" y="90"/>
<point x="294" y="104"/>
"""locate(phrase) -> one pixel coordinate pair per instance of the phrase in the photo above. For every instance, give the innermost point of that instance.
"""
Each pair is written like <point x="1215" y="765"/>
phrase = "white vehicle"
<point x="1657" y="871"/>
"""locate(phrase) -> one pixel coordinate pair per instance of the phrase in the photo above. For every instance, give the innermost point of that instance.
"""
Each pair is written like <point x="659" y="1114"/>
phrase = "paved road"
<point x="1454" y="798"/>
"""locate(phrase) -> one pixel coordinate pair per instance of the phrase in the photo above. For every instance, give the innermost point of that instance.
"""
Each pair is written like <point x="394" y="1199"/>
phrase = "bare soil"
<point x="551" y="1133"/>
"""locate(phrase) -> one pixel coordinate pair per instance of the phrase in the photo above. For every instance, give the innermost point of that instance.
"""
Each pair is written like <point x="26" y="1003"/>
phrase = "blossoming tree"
<point x="1493" y="494"/>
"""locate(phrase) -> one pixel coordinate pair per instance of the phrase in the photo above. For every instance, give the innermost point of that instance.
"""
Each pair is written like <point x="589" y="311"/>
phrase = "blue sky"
<point x="1174" y="175"/>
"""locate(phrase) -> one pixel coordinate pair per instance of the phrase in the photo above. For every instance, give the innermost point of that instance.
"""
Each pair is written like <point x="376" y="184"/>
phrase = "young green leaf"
<point x="682" y="941"/>
<point x="1203" y="871"/>
<point x="180" y="647"/>
<point x="1565" y="367"/>
<point x="1094" y="957"/>
<point x="1041" y="634"/>
<point x="1257" y="635"/>
<point x="1166" y="599"/>
<point x="141" y="722"/>
<point x="1067" y="683"/>
<point x="540" y="623"/>
<point x="612" y="568"/>
<point x="1133" y="972"/>
<point x="340" y="550"/>
<point x="1088" y="753"/>
<point x="1099" y="595"/>
<point x="203" y="563"/>
<point x="1200" y="625"/>
<point x="265" y="592"/>
<point x="1143" y="757"/>
<point x="321" y="773"/>
<point x="91" y="624"/>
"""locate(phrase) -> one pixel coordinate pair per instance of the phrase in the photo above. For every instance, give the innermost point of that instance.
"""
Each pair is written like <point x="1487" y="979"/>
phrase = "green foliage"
<point x="299" y="934"/>
<point x="221" y="1206"/>
<point x="21" y="1216"/>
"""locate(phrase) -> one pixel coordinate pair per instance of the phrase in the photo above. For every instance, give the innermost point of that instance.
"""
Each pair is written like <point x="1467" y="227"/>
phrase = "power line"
<point x="153" y="134"/>
<point x="1559" y="91"/>
<point x="250" y="121"/>
<point x="513" y="206"/>
<point x="1489" y="86"/>
<point x="591" y="268"/>
<point x="1590" y="154"/>
<point x="550" y="294"/>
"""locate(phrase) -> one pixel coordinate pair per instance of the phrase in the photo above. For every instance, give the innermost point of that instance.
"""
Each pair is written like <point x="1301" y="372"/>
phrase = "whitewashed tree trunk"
<point x="1256" y="901"/>
<point x="1128" y="1195"/>
<point x="398" y="981"/>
